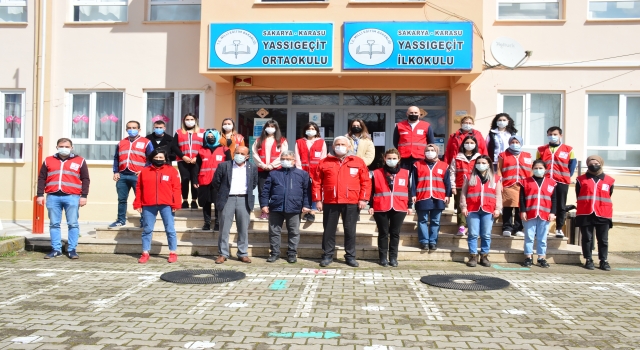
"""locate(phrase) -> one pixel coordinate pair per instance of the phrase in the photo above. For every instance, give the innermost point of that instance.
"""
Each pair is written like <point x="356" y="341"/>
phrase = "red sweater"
<point x="158" y="186"/>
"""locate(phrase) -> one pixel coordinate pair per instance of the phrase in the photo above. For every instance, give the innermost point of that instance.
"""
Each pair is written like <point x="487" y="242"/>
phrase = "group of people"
<point x="487" y="177"/>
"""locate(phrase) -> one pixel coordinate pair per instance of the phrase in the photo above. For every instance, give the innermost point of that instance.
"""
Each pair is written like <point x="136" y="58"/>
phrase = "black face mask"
<point x="413" y="117"/>
<point x="356" y="130"/>
<point x="594" y="168"/>
<point x="211" y="140"/>
<point x="158" y="162"/>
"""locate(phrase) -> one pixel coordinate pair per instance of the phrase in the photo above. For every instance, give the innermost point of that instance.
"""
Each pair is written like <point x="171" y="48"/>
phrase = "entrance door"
<point x="376" y="122"/>
<point x="324" y="117"/>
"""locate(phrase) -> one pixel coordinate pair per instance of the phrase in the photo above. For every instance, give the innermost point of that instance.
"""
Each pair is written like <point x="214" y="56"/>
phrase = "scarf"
<point x="519" y="139"/>
<point x="216" y="139"/>
<point x="600" y="160"/>
<point x="437" y="149"/>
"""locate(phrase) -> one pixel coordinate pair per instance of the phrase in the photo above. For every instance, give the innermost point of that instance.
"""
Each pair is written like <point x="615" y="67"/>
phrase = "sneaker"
<point x="185" y="205"/>
<point x="506" y="233"/>
<point x="325" y="262"/>
<point x="559" y="234"/>
<point x="461" y="231"/>
<point x="604" y="265"/>
<point x="72" y="254"/>
<point x="194" y="205"/>
<point x="272" y="258"/>
<point x="291" y="259"/>
<point x="53" y="254"/>
<point x="519" y="234"/>
<point x="264" y="216"/>
<point x="543" y="263"/>
<point x="116" y="224"/>
<point x="143" y="258"/>
<point x="589" y="264"/>
<point x="527" y="262"/>
<point x="173" y="257"/>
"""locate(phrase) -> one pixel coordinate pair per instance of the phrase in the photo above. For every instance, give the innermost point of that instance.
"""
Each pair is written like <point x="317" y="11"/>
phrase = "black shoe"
<point x="325" y="262"/>
<point x="185" y="205"/>
<point x="543" y="263"/>
<point x="384" y="262"/>
<point x="352" y="263"/>
<point x="206" y="226"/>
<point x="589" y="265"/>
<point x="393" y="262"/>
<point x="194" y="205"/>
<point x="424" y="246"/>
<point x="432" y="247"/>
<point x="216" y="227"/>
<point x="527" y="262"/>
<point x="604" y="265"/>
<point x="272" y="258"/>
<point x="291" y="259"/>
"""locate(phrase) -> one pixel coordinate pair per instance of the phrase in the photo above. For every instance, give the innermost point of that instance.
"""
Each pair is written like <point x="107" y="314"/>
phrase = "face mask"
<point x="158" y="162"/>
<point x="467" y="127"/>
<point x="286" y="164"/>
<point x="239" y="158"/>
<point x="211" y="140"/>
<point x="356" y="130"/>
<point x="227" y="127"/>
<point x="594" y="168"/>
<point x="431" y="155"/>
<point x="340" y="150"/>
<point x="64" y="151"/>
<point x="539" y="172"/>
<point x="502" y="124"/>
<point x="391" y="163"/>
<point x="553" y="138"/>
<point x="270" y="130"/>
<point x="413" y="117"/>
<point x="310" y="133"/>
<point x="189" y="123"/>
<point x="132" y="132"/>
<point x="482" y="167"/>
<point x="469" y="146"/>
<point x="515" y="146"/>
<point x="158" y="131"/>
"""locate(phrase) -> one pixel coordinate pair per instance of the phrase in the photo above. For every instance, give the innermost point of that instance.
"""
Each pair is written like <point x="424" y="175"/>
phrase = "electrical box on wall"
<point x="243" y="80"/>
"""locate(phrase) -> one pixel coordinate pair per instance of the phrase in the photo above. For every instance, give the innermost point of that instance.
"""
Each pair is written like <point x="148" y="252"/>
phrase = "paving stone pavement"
<point x="111" y="302"/>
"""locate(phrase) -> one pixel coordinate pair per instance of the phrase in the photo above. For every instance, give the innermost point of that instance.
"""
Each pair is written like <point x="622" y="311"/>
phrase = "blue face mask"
<point x="553" y="138"/>
<point x="158" y="131"/>
<point x="132" y="132"/>
<point x="515" y="146"/>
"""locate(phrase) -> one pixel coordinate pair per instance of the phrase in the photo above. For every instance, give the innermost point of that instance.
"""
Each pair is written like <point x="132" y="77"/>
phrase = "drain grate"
<point x="202" y="276"/>
<point x="465" y="282"/>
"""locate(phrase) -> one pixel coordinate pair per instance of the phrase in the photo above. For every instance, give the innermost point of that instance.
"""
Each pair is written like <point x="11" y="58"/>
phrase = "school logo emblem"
<point x="236" y="47"/>
<point x="370" y="46"/>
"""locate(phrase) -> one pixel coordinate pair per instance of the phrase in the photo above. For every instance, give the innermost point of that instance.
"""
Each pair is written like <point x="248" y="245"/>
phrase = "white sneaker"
<point x="519" y="234"/>
<point x="461" y="231"/>
<point x="506" y="233"/>
<point x="559" y="234"/>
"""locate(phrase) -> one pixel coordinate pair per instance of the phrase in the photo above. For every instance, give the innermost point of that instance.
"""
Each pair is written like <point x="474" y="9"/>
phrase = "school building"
<point x="83" y="68"/>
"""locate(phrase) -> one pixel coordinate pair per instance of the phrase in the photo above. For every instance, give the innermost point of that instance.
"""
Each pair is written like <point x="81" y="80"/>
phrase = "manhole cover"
<point x="465" y="282"/>
<point x="202" y="276"/>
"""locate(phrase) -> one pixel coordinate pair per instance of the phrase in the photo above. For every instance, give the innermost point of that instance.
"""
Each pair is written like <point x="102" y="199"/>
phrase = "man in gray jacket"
<point x="235" y="180"/>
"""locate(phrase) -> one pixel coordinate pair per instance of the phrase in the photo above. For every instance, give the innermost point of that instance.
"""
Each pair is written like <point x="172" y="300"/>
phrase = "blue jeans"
<point x="126" y="183"/>
<point x="535" y="228"/>
<point x="70" y="204"/>
<point x="433" y="217"/>
<point x="149" y="216"/>
<point x="480" y="225"/>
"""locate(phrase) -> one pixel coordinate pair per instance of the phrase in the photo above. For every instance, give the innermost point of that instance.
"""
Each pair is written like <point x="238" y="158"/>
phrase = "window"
<point x="96" y="123"/>
<point x="99" y="10"/>
<point x="612" y="124"/>
<point x="435" y="104"/>
<point x="528" y="9"/>
<point x="174" y="10"/>
<point x="609" y="9"/>
<point x="13" y="11"/>
<point x="13" y="111"/>
<point x="533" y="114"/>
<point x="170" y="107"/>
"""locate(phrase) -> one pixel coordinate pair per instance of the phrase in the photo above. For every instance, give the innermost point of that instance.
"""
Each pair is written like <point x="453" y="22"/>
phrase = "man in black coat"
<point x="159" y="138"/>
<point x="235" y="181"/>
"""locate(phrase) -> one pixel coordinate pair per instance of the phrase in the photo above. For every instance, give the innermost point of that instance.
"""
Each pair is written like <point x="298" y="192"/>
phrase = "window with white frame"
<point x="533" y="114"/>
<point x="95" y="121"/>
<point x="613" y="9"/>
<point x="171" y="106"/>
<point x="99" y="10"/>
<point x="612" y="128"/>
<point x="174" y="10"/>
<point x="13" y="11"/>
<point x="13" y="112"/>
<point x="529" y="9"/>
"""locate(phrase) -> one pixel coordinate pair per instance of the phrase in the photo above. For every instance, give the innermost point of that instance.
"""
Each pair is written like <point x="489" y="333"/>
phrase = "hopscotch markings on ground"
<point x="278" y="285"/>
<point x="257" y="280"/>
<point x="27" y="340"/>
<point x="430" y="308"/>
<point x="22" y="297"/>
<point x="213" y="297"/>
<point x="627" y="289"/>
<point x="110" y="272"/>
<point x="321" y="271"/>
<point x="317" y="335"/>
<point x="515" y="312"/>
<point x="236" y="305"/>
<point x="538" y="298"/>
<point x="102" y="304"/>
<point x="379" y="347"/>
<point x="199" y="345"/>
<point x="305" y="304"/>
<point x="373" y="308"/>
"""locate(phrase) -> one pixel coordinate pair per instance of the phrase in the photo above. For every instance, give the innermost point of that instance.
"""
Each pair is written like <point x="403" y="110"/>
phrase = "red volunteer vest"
<point x="538" y="198"/>
<point x="210" y="162"/>
<point x="594" y="197"/>
<point x="273" y="155"/>
<point x="132" y="155"/>
<point x="463" y="169"/>
<point x="482" y="196"/>
<point x="309" y="158"/>
<point x="515" y="168"/>
<point x="63" y="176"/>
<point x="412" y="142"/>
<point x="557" y="162"/>
<point x="430" y="182"/>
<point x="384" y="199"/>
<point x="188" y="147"/>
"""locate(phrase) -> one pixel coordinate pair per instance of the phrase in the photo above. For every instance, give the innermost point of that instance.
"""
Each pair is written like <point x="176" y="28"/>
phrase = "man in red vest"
<point x="129" y="159"/>
<point x="411" y="137"/>
<point x="64" y="177"/>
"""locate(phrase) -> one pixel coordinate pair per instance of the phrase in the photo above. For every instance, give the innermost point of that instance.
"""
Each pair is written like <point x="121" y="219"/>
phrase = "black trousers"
<point x="262" y="178"/>
<point x="511" y="222"/>
<point x="407" y="163"/>
<point x="188" y="173"/>
<point x="206" y="212"/>
<point x="561" y="204"/>
<point x="602" y="234"/>
<point x="389" y="224"/>
<point x="330" y="217"/>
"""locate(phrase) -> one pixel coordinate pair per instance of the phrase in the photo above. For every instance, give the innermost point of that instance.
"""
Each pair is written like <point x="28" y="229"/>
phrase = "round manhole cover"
<point x="465" y="282"/>
<point x="202" y="276"/>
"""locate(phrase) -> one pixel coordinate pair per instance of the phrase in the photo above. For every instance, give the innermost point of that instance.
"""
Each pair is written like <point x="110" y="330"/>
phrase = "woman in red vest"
<point x="309" y="150"/>
<point x="513" y="167"/>
<point x="229" y="136"/>
<point x="390" y="203"/>
<point x="481" y="203"/>
<point x="209" y="157"/>
<point x="537" y="209"/>
<point x="461" y="166"/>
<point x="186" y="143"/>
<point x="595" y="210"/>
<point x="266" y="153"/>
<point x="457" y="139"/>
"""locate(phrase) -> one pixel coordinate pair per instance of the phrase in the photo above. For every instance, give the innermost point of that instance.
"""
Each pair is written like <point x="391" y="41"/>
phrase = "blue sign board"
<point x="270" y="45"/>
<point x="408" y="45"/>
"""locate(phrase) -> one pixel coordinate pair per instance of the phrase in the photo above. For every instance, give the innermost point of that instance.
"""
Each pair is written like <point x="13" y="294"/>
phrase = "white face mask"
<point x="502" y="124"/>
<point x="515" y="146"/>
<point x="189" y="123"/>
<point x="227" y="127"/>
<point x="467" y="127"/>
<point x="391" y="163"/>
<point x="482" y="167"/>
<point x="270" y="130"/>
<point x="431" y="154"/>
<point x="239" y="158"/>
<point x="340" y="150"/>
<point x="287" y="163"/>
<point x="310" y="132"/>
<point x="469" y="146"/>
<point x="539" y="172"/>
<point x="64" y="151"/>
<point x="554" y="138"/>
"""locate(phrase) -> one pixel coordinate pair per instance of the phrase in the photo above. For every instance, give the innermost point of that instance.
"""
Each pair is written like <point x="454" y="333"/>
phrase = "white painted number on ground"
<point x="235" y="305"/>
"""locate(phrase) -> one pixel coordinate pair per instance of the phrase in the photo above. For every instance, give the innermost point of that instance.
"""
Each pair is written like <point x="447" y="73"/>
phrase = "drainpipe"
<point x="38" y="91"/>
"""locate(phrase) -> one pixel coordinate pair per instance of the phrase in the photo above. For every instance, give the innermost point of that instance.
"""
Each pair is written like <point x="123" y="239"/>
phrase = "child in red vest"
<point x="461" y="166"/>
<point x="537" y="209"/>
<point x="514" y="166"/>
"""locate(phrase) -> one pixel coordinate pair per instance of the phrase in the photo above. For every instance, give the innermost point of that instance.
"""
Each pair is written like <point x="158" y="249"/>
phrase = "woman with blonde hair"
<point x="229" y="136"/>
<point x="186" y="143"/>
<point x="361" y="141"/>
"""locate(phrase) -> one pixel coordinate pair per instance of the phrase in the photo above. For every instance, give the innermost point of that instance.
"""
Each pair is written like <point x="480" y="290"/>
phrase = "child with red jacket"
<point x="158" y="190"/>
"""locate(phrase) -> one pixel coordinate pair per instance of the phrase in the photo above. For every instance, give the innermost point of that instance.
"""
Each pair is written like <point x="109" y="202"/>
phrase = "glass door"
<point x="376" y="122"/>
<point x="324" y="117"/>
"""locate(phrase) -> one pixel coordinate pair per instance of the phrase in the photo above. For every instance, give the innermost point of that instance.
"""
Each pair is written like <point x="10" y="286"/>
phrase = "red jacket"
<point x="595" y="197"/>
<point x="310" y="158"/>
<point x="210" y="161"/>
<point x="430" y="182"/>
<point x="482" y="196"/>
<point x="132" y="154"/>
<point x="455" y="140"/>
<point x="557" y="162"/>
<point x="384" y="199"/>
<point x="64" y="175"/>
<point x="341" y="182"/>
<point x="189" y="143"/>
<point x="515" y="168"/>
<point x="273" y="155"/>
<point x="538" y="198"/>
<point x="158" y="186"/>
<point x="412" y="142"/>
